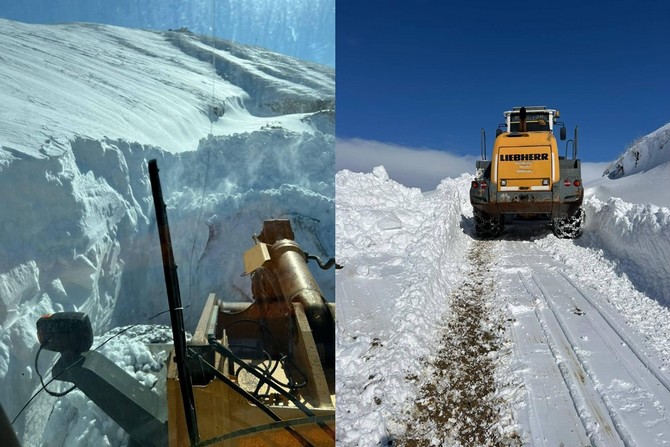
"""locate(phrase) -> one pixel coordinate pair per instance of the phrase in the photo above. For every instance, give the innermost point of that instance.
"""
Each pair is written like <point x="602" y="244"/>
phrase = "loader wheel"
<point x="487" y="226"/>
<point x="569" y="227"/>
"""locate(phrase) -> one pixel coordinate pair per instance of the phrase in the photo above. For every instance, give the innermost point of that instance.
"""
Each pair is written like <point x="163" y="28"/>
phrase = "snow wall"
<point x="409" y="247"/>
<point x="637" y="237"/>
<point x="78" y="232"/>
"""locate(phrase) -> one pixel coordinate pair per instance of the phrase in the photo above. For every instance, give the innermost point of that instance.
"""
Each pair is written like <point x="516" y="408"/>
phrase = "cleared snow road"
<point x="586" y="380"/>
<point x="580" y="348"/>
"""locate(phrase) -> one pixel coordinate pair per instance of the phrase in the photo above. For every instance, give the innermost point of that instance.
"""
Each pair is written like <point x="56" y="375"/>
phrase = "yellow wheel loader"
<point x="527" y="177"/>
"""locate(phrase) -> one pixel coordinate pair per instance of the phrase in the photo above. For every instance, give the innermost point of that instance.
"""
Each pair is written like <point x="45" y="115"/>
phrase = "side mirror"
<point x="563" y="134"/>
<point x="498" y="132"/>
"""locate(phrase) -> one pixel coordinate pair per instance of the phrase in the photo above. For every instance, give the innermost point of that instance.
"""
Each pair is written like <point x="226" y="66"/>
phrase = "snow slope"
<point x="303" y="30"/>
<point x="569" y="341"/>
<point x="154" y="88"/>
<point x="83" y="108"/>
<point x="644" y="154"/>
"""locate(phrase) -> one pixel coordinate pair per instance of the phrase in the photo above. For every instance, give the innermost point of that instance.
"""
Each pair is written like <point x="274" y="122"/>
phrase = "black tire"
<point x="569" y="227"/>
<point x="488" y="226"/>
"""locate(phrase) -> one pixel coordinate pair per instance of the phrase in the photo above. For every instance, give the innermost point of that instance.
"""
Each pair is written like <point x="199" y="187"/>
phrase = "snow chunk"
<point x="17" y="285"/>
<point x="380" y="173"/>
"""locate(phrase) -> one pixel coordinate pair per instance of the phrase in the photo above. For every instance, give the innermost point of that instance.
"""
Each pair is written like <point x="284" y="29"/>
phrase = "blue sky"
<point x="297" y="28"/>
<point x="430" y="75"/>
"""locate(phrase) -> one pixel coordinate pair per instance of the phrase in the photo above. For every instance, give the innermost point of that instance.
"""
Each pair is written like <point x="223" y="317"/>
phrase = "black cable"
<point x="230" y="355"/>
<point x="29" y="401"/>
<point x="253" y="399"/>
<point x="44" y="387"/>
<point x="291" y="383"/>
<point x="163" y="312"/>
<point x="323" y="265"/>
<point x="271" y="373"/>
<point x="266" y="371"/>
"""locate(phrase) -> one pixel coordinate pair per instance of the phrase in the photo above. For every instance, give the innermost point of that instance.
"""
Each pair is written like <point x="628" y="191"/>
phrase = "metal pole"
<point x="174" y="300"/>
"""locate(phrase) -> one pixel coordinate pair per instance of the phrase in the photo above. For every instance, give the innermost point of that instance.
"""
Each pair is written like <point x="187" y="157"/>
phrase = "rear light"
<point x="577" y="183"/>
<point x="545" y="182"/>
<point x="475" y="185"/>
<point x="483" y="184"/>
<point x="566" y="182"/>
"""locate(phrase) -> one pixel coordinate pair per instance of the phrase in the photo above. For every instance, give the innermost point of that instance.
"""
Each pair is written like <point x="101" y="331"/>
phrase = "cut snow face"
<point x="246" y="139"/>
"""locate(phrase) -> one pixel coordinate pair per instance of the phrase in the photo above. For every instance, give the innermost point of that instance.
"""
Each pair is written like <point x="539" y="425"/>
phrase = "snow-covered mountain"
<point x="528" y="340"/>
<point x="300" y="29"/>
<point x="240" y="135"/>
<point x="646" y="153"/>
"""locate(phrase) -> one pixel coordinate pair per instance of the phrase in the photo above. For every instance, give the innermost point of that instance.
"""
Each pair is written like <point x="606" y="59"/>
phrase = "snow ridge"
<point x="155" y="88"/>
<point x="276" y="84"/>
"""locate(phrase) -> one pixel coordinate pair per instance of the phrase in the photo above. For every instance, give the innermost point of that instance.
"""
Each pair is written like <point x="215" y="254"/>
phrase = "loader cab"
<point x="537" y="119"/>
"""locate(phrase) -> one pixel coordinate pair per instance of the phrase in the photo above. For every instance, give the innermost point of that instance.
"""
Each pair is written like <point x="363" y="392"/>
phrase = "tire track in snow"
<point x="457" y="403"/>
<point x="653" y="368"/>
<point x="590" y="409"/>
<point x="620" y="396"/>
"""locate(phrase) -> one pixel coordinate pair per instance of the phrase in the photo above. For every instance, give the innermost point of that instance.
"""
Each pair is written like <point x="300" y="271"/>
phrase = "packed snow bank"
<point x="391" y="249"/>
<point x="637" y="237"/>
<point x="628" y="214"/>
<point x="217" y="198"/>
<point x="628" y="218"/>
